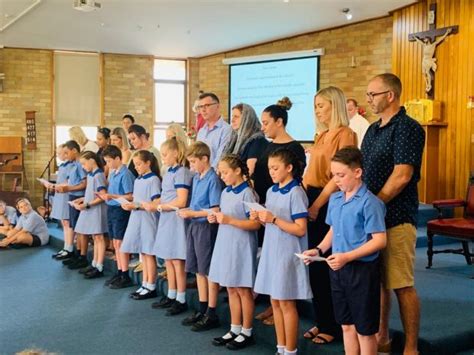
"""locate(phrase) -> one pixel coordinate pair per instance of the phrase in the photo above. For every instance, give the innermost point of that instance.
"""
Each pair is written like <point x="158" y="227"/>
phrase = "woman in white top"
<point x="77" y="134"/>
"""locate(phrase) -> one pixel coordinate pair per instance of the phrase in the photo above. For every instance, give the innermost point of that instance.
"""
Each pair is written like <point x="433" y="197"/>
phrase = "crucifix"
<point x="429" y="42"/>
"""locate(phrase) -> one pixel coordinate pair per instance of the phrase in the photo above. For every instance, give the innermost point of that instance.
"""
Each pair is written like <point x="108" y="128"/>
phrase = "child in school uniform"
<point x="8" y="217"/>
<point x="201" y="235"/>
<point x="140" y="234"/>
<point x="170" y="243"/>
<point x="234" y="260"/>
<point x="280" y="274"/>
<point x="93" y="217"/>
<point x="120" y="185"/>
<point x="30" y="230"/>
<point x="356" y="235"/>
<point x="75" y="186"/>
<point x="60" y="209"/>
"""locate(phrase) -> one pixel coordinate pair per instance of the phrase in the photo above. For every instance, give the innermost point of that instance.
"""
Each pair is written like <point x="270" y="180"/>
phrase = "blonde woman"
<point x="118" y="137"/>
<point x="176" y="130"/>
<point x="333" y="130"/>
<point x="77" y="134"/>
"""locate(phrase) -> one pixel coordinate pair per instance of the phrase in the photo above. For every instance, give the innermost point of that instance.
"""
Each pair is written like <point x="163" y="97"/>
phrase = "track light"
<point x="347" y="13"/>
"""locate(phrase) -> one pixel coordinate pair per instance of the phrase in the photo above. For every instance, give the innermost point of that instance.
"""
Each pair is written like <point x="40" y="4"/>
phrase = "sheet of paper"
<point x="172" y="207"/>
<point x="45" y="182"/>
<point x="255" y="206"/>
<point x="121" y="200"/>
<point x="71" y="203"/>
<point x="208" y="210"/>
<point x="312" y="258"/>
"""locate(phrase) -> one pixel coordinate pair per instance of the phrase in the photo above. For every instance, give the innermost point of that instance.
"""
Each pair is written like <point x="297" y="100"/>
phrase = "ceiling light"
<point x="347" y="13"/>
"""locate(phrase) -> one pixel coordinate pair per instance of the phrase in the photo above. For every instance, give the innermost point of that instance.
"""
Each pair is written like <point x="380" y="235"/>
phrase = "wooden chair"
<point x="461" y="229"/>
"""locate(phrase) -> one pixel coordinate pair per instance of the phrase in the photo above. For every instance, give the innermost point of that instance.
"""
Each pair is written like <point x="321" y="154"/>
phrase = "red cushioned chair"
<point x="461" y="229"/>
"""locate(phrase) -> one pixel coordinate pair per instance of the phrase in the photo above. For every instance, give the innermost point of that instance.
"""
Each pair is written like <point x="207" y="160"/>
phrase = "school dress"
<point x="141" y="230"/>
<point x="94" y="219"/>
<point x="60" y="210"/>
<point x="170" y="241"/>
<point x="281" y="274"/>
<point x="234" y="260"/>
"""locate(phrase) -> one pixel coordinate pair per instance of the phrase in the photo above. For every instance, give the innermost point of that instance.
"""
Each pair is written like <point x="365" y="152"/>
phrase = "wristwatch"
<point x="320" y="252"/>
<point x="88" y="206"/>
<point x="274" y="220"/>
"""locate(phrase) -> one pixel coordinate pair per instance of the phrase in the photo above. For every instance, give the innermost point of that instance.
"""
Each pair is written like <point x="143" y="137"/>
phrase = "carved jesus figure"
<point x="429" y="61"/>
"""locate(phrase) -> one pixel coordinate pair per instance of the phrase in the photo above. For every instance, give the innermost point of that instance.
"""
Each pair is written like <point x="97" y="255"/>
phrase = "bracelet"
<point x="274" y="220"/>
<point x="320" y="252"/>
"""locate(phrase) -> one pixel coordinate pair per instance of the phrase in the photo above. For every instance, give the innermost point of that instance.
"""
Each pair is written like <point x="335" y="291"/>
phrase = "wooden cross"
<point x="429" y="42"/>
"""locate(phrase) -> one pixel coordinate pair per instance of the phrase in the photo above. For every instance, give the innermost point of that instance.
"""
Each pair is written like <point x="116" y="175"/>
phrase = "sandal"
<point x="323" y="339"/>
<point x="311" y="333"/>
<point x="265" y="314"/>
<point x="269" y="321"/>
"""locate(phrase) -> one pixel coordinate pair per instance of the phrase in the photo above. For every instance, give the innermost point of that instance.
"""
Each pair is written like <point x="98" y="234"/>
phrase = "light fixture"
<point x="347" y="13"/>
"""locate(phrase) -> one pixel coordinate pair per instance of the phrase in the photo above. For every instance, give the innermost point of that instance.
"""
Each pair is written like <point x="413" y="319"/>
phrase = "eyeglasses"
<point x="206" y="106"/>
<point x="371" y="95"/>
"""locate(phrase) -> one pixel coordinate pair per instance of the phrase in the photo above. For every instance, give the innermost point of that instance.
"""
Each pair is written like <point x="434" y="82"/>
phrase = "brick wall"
<point x="128" y="88"/>
<point x="370" y="43"/>
<point x="27" y="87"/>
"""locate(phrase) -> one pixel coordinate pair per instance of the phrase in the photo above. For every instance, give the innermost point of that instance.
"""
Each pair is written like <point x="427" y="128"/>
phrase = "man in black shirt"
<point x="392" y="151"/>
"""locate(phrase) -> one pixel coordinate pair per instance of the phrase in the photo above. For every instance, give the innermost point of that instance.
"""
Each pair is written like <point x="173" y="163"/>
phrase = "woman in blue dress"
<point x="141" y="230"/>
<point x="234" y="259"/>
<point x="281" y="275"/>
<point x="93" y="217"/>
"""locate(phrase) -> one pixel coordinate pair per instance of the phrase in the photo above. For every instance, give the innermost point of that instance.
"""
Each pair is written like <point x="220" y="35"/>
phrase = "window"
<point x="170" y="96"/>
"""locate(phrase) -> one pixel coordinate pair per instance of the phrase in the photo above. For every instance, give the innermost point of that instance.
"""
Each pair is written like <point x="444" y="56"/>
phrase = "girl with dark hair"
<point x="274" y="120"/>
<point x="234" y="259"/>
<point x="280" y="274"/>
<point x="247" y="139"/>
<point x="139" y="237"/>
<point x="93" y="212"/>
<point x="103" y="141"/>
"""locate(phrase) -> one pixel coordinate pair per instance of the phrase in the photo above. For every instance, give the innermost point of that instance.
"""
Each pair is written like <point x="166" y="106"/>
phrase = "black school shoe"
<point x="93" y="274"/>
<point x="112" y="279"/>
<point x="68" y="260"/>
<point x="80" y="263"/>
<point x="192" y="319"/>
<point x="121" y="282"/>
<point x="59" y="253"/>
<point x="165" y="302"/>
<point x="87" y="269"/>
<point x="221" y="341"/>
<point x="149" y="294"/>
<point x="237" y="345"/>
<point x="177" y="308"/>
<point x="206" y="323"/>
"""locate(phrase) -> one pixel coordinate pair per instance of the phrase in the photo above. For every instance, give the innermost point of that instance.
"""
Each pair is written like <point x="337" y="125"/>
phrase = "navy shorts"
<point x="73" y="213"/>
<point x="200" y="240"/>
<point x="356" y="295"/>
<point x="117" y="221"/>
<point x="36" y="241"/>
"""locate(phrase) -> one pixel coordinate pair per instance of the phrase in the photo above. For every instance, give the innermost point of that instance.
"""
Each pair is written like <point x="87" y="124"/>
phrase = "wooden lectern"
<point x="11" y="164"/>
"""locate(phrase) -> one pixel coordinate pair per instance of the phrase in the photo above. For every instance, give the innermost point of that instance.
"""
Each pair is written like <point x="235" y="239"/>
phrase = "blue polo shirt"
<point x="353" y="221"/>
<point x="75" y="176"/>
<point x="401" y="141"/>
<point x="216" y="138"/>
<point x="206" y="192"/>
<point x="120" y="183"/>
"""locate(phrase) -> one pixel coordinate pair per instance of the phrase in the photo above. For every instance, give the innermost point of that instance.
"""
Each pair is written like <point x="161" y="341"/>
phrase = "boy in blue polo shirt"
<point x="357" y="233"/>
<point x="201" y="235"/>
<point x="121" y="182"/>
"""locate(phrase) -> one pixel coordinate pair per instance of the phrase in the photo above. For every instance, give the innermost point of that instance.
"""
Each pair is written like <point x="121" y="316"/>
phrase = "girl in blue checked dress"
<point x="170" y="243"/>
<point x="234" y="263"/>
<point x="93" y="217"/>
<point x="141" y="230"/>
<point x="280" y="273"/>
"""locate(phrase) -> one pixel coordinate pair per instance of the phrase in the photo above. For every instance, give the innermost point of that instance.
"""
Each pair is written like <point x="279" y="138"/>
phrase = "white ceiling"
<point x="175" y="28"/>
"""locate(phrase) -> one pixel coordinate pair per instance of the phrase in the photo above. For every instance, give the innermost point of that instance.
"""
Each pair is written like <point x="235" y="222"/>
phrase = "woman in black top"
<point x="247" y="139"/>
<point x="274" y="120"/>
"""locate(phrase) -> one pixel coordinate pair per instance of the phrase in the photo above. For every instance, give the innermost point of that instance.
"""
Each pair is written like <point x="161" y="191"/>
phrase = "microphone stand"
<point x="47" y="195"/>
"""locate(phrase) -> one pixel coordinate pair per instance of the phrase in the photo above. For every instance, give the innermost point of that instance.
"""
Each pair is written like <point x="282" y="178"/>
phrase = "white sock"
<point x="144" y="291"/>
<point x="151" y="286"/>
<point x="94" y="264"/>
<point x="291" y="352"/>
<point x="99" y="267"/>
<point x="172" y="294"/>
<point x="280" y="349"/>
<point x="69" y="248"/>
<point x="247" y="332"/>
<point x="236" y="329"/>
<point x="181" y="297"/>
<point x="140" y="289"/>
